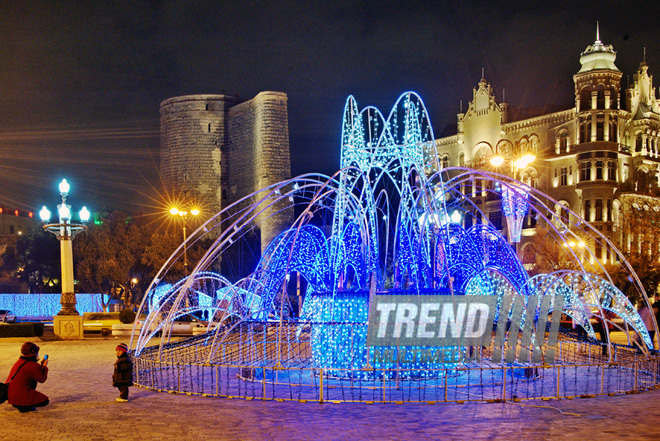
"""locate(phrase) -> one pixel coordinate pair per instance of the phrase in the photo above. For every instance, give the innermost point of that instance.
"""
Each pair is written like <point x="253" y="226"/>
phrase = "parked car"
<point x="7" y="316"/>
<point x="100" y="321"/>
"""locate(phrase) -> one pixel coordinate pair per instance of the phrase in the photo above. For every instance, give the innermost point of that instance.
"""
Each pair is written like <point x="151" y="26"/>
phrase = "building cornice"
<point x="540" y="121"/>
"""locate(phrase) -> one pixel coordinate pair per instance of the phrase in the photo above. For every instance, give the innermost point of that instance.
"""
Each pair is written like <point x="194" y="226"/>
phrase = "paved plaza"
<point x="83" y="407"/>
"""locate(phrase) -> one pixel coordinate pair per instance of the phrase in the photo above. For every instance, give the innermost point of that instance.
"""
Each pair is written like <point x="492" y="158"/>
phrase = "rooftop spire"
<point x="597" y="32"/>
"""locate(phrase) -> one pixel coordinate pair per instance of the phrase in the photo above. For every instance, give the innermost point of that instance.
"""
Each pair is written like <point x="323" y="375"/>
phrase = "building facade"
<point x="14" y="223"/>
<point x="599" y="158"/>
<point x="216" y="149"/>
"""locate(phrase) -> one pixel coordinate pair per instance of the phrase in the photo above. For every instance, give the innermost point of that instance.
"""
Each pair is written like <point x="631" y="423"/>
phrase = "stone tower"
<point x="218" y="148"/>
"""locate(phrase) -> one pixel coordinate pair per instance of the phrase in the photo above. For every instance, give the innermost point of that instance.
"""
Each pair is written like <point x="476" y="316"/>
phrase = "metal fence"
<point x="580" y="371"/>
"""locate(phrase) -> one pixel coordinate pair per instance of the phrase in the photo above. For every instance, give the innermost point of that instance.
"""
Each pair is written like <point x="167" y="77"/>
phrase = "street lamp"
<point x="68" y="323"/>
<point x="174" y="211"/>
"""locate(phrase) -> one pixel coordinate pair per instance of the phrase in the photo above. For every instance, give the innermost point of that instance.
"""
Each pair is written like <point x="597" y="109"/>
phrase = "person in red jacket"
<point x="22" y="392"/>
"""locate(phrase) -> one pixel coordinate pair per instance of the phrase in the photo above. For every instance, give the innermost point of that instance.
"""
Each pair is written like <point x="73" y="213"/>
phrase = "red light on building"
<point x="16" y="212"/>
<point x="0" y="210"/>
<point x="30" y="214"/>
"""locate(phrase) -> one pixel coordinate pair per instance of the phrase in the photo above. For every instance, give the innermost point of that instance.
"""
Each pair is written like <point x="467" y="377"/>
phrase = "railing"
<point x="583" y="372"/>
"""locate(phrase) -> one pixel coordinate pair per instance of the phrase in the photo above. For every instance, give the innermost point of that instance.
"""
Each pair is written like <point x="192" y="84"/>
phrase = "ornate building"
<point x="599" y="158"/>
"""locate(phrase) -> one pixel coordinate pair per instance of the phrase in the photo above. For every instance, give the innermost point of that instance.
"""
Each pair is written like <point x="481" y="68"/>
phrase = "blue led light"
<point x="389" y="230"/>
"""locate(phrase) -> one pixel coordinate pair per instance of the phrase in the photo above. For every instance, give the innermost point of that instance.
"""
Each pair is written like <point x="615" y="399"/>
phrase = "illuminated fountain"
<point x="387" y="222"/>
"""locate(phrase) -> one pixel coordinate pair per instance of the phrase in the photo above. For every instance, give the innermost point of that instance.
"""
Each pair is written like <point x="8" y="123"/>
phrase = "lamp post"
<point x="174" y="211"/>
<point x="67" y="323"/>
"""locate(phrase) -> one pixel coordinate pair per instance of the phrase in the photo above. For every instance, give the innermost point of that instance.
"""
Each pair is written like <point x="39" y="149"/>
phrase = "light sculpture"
<point x="514" y="205"/>
<point x="385" y="223"/>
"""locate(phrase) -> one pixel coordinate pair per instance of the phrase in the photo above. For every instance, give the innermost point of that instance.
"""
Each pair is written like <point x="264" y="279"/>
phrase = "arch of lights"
<point x="385" y="223"/>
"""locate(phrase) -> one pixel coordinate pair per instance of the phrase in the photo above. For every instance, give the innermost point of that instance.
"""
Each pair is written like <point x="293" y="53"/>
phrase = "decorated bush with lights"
<point x="390" y="221"/>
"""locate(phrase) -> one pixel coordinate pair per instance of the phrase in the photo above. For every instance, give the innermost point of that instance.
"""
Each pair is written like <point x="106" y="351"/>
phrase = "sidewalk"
<point x="83" y="407"/>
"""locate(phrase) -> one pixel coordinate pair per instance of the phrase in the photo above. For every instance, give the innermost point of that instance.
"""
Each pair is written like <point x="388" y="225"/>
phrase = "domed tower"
<point x="597" y="90"/>
<point x="599" y="121"/>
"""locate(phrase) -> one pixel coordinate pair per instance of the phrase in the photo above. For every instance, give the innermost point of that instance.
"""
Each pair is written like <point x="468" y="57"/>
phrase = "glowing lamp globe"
<point x="64" y="212"/>
<point x="64" y="187"/>
<point x="456" y="217"/>
<point x="524" y="161"/>
<point x="194" y="211"/>
<point x="44" y="214"/>
<point x="174" y="211"/>
<point x="497" y="161"/>
<point x="84" y="214"/>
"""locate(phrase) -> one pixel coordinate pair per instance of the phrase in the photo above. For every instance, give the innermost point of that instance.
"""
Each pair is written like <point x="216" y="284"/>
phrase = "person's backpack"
<point x="4" y="387"/>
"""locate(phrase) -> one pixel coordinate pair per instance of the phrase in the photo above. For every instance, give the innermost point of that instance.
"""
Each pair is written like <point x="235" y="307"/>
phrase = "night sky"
<point x="82" y="81"/>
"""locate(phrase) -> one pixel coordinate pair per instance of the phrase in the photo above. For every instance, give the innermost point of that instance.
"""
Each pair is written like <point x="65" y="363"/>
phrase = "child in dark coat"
<point x="123" y="375"/>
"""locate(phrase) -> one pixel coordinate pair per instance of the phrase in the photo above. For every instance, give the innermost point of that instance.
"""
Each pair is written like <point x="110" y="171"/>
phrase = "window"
<point x="563" y="142"/>
<point x="585" y="171"/>
<point x="585" y="134"/>
<point x="209" y="127"/>
<point x="495" y="218"/>
<point x="563" y="176"/>
<point x="224" y="194"/>
<point x="614" y="98"/>
<point x="11" y="229"/>
<point x="461" y="160"/>
<point x="599" y="170"/>
<point x="600" y="97"/>
<point x="599" y="209"/>
<point x="609" y="210"/>
<point x="585" y="99"/>
<point x="611" y="171"/>
<point x="563" y="213"/>
<point x="587" y="210"/>
<point x="445" y="161"/>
